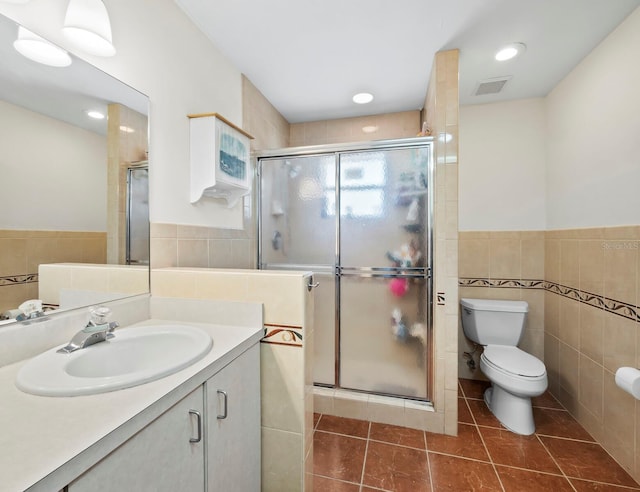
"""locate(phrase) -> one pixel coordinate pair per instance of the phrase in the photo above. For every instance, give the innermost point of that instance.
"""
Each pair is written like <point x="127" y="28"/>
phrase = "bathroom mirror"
<point x="74" y="189"/>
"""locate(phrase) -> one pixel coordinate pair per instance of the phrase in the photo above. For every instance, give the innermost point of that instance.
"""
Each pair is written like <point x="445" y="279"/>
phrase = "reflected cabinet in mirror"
<point x="74" y="221"/>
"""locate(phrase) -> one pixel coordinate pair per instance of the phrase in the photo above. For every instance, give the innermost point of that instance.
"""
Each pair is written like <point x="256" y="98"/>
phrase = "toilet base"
<point x="514" y="412"/>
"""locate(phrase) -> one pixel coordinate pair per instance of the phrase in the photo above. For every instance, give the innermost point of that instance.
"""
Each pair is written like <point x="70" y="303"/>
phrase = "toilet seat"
<point x="513" y="361"/>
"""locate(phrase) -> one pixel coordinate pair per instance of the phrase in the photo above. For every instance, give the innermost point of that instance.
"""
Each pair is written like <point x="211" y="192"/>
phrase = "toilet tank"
<point x="488" y="321"/>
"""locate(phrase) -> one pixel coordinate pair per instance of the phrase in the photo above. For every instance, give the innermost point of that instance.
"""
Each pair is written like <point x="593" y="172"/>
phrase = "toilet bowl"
<point x="515" y="375"/>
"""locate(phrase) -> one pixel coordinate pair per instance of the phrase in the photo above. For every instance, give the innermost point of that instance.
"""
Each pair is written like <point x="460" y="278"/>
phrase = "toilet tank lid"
<point x="495" y="305"/>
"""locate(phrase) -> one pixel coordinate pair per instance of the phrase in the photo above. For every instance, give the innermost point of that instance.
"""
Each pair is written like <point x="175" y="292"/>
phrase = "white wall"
<point x="47" y="169"/>
<point x="502" y="166"/>
<point x="594" y="136"/>
<point x="162" y="54"/>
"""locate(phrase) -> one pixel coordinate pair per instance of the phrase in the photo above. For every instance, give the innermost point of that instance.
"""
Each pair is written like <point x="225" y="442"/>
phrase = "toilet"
<point x="515" y="375"/>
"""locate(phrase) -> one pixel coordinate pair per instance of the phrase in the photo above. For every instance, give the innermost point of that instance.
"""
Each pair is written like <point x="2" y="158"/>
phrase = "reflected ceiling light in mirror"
<point x="363" y="98"/>
<point x="127" y="129"/>
<point x="96" y="115"/>
<point x="510" y="51"/>
<point x="369" y="129"/>
<point x="38" y="49"/>
<point x="88" y="27"/>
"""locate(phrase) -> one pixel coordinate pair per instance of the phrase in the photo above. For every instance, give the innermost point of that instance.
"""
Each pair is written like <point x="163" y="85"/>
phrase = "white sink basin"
<point x="134" y="356"/>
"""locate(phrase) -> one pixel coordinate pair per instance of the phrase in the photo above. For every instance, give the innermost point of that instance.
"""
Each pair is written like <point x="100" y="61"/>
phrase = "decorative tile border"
<point x="283" y="335"/>
<point x="501" y="282"/>
<point x="28" y="278"/>
<point x="613" y="306"/>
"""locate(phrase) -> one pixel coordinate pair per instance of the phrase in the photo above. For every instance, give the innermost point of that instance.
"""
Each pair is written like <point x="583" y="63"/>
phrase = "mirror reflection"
<point x="74" y="221"/>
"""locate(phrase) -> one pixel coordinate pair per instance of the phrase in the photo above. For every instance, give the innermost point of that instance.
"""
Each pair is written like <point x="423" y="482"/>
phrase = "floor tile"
<point x="464" y="414"/>
<point x="546" y="400"/>
<point x="466" y="444"/>
<point x="582" y="486"/>
<point x="558" y="423"/>
<point x="340" y="425"/>
<point x="515" y="480"/>
<point x="587" y="461"/>
<point x="473" y="388"/>
<point x="396" y="468"/>
<point x="482" y="414"/>
<point x="324" y="484"/>
<point x="316" y="418"/>
<point x="449" y="473"/>
<point x="507" y="448"/>
<point x="337" y="456"/>
<point x="393" y="434"/>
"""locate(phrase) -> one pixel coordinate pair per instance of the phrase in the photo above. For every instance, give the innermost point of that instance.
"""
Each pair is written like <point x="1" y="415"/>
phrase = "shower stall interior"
<point x="137" y="235"/>
<point x="360" y="218"/>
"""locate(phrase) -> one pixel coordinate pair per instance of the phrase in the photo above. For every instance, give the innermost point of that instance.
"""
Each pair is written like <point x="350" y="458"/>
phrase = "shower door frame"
<point x="336" y="150"/>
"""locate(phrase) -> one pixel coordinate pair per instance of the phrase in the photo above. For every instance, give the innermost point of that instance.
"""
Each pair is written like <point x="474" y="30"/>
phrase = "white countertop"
<point x="46" y="442"/>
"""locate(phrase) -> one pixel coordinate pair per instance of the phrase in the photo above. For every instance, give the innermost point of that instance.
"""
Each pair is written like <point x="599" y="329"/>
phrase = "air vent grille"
<point x="490" y="86"/>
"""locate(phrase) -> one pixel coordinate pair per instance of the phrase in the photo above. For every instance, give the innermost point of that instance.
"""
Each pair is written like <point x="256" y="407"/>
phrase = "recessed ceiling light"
<point x="363" y="98"/>
<point x="510" y="51"/>
<point x="96" y="115"/>
<point x="38" y="49"/>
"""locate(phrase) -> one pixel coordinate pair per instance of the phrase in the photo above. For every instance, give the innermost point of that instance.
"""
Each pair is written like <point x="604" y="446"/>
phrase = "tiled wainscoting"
<point x="583" y="289"/>
<point x="22" y="252"/>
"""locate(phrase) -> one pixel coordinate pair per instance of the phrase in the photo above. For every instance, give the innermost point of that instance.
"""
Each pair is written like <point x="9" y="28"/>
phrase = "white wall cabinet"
<point x="210" y="440"/>
<point x="161" y="457"/>
<point x="233" y="425"/>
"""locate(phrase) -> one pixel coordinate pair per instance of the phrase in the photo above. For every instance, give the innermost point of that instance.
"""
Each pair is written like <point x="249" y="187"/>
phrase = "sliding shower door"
<point x="297" y="233"/>
<point x="360" y="219"/>
<point x="383" y="288"/>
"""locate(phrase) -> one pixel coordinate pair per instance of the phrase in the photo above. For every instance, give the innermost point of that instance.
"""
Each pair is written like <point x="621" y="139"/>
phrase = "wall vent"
<point x="490" y="86"/>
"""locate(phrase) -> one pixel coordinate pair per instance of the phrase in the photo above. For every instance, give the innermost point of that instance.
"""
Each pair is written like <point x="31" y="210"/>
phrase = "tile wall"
<point x="382" y="126"/>
<point x="503" y="265"/>
<point x="441" y="115"/>
<point x="583" y="288"/>
<point x="71" y="285"/>
<point x="286" y="358"/>
<point x="591" y="329"/>
<point x="23" y="251"/>
<point x="127" y="134"/>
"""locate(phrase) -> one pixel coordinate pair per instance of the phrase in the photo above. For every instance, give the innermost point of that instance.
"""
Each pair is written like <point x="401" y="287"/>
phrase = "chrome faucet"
<point x="97" y="330"/>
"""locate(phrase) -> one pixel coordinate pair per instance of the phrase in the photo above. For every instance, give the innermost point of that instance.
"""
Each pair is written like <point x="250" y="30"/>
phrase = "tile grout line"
<point x="486" y="449"/>
<point x="364" y="461"/>
<point x="426" y="450"/>
<point x="555" y="462"/>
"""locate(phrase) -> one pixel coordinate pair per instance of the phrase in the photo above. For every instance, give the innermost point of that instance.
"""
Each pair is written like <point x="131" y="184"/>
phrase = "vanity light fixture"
<point x="87" y="26"/>
<point x="38" y="49"/>
<point x="363" y="98"/>
<point x="96" y="115"/>
<point x="510" y="51"/>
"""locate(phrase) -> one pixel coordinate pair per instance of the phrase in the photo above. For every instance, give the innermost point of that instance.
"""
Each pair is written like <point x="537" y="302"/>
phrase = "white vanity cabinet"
<point x="233" y="425"/>
<point x="167" y="455"/>
<point x="209" y="440"/>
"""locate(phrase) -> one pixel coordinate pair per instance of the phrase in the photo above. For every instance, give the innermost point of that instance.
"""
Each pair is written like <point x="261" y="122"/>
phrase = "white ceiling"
<point x="308" y="57"/>
<point x="62" y="93"/>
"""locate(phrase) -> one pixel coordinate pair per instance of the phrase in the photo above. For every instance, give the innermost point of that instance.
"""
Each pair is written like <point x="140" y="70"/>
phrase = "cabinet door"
<point x="233" y="425"/>
<point x="159" y="458"/>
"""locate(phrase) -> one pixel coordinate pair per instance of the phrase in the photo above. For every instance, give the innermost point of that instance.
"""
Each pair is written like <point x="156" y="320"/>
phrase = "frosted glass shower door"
<point x="298" y="232"/>
<point x="383" y="276"/>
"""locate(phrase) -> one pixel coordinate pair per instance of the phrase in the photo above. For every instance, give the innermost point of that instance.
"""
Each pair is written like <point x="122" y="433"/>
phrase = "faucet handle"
<point x="98" y="315"/>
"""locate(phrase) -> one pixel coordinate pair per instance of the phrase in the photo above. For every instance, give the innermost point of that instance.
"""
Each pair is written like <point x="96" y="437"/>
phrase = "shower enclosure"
<point x="360" y="218"/>
<point x="137" y="236"/>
